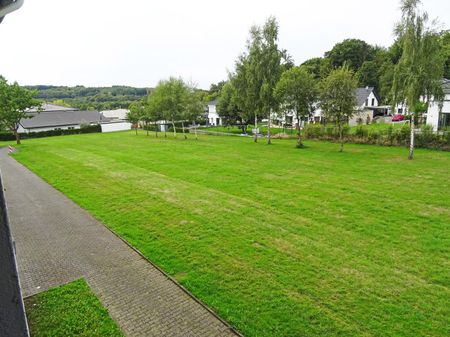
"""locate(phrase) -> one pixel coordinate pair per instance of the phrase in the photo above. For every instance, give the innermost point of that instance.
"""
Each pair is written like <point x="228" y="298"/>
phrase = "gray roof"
<point x="362" y="94"/>
<point x="61" y="118"/>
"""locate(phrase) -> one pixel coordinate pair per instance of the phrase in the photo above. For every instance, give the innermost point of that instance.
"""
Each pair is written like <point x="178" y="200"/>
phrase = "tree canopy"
<point x="14" y="103"/>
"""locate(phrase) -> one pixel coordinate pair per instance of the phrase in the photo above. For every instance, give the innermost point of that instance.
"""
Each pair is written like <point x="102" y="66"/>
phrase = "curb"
<point x="170" y="278"/>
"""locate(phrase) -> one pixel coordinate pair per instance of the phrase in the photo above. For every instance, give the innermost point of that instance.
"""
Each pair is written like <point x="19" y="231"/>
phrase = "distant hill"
<point x="90" y="98"/>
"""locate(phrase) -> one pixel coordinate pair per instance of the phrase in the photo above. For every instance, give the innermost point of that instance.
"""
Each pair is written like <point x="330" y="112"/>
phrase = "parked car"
<point x="398" y="118"/>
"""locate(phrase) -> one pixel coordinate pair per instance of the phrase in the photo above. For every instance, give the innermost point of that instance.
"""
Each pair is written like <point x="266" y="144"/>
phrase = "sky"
<point x="139" y="42"/>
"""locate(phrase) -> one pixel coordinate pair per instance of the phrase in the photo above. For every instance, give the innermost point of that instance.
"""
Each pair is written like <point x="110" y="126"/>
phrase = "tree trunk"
<point x="17" y="137"/>
<point x="299" y="133"/>
<point x="195" y="130"/>
<point x="174" y="130"/>
<point x="341" y="139"/>
<point x="256" y="127"/>
<point x="411" y="144"/>
<point x="269" y="141"/>
<point x="156" y="130"/>
<point x="184" y="134"/>
<point x="146" y="126"/>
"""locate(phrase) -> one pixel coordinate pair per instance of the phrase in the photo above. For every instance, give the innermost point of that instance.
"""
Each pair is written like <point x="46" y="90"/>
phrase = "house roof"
<point x="362" y="94"/>
<point x="60" y="118"/>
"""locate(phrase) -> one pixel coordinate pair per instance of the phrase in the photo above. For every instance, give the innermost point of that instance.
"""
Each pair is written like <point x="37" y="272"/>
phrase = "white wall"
<point x="112" y="127"/>
<point x="213" y="116"/>
<point x="433" y="112"/>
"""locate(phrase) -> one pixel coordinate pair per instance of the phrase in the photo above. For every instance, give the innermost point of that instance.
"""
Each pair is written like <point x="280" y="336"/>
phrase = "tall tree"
<point x="259" y="69"/>
<point x="418" y="74"/>
<point x="270" y="68"/>
<point x="14" y="103"/>
<point x="338" y="99"/>
<point x="297" y="91"/>
<point x="169" y="97"/>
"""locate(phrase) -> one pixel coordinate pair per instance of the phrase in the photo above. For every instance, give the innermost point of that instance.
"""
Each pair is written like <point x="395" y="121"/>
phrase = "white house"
<point x="213" y="117"/>
<point x="367" y="103"/>
<point x="437" y="118"/>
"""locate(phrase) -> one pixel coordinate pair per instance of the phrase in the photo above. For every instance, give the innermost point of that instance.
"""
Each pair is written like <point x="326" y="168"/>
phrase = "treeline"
<point x="90" y="98"/>
<point x="266" y="84"/>
<point x="373" y="66"/>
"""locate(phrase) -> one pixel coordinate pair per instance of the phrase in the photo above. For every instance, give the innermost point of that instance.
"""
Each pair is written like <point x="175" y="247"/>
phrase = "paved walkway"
<point x="58" y="242"/>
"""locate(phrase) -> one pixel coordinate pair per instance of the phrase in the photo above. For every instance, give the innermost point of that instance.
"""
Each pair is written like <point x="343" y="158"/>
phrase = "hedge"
<point x="425" y="137"/>
<point x="9" y="136"/>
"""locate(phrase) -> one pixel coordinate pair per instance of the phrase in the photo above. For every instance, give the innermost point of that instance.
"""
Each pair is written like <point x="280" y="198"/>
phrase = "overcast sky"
<point x="138" y="42"/>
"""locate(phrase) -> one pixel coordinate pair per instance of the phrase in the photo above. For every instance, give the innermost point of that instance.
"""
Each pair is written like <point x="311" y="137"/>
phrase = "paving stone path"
<point x="58" y="242"/>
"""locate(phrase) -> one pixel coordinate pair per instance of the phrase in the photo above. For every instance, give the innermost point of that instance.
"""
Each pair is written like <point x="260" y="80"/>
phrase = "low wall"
<point x="112" y="127"/>
<point x="13" y="320"/>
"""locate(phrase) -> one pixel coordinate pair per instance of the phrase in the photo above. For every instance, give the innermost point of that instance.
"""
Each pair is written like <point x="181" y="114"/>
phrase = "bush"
<point x="361" y="131"/>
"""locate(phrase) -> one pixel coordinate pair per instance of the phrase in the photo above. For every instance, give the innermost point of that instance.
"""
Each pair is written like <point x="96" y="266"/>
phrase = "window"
<point x="400" y="111"/>
<point x="373" y="101"/>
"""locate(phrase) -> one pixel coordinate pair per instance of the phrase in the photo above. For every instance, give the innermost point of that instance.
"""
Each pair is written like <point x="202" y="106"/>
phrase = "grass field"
<point x="71" y="310"/>
<point x="279" y="241"/>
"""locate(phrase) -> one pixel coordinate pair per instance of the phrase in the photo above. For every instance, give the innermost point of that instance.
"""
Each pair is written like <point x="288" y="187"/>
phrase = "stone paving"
<point x="58" y="242"/>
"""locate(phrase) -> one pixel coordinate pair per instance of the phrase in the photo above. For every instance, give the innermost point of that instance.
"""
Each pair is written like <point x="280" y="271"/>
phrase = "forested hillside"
<point x="90" y="98"/>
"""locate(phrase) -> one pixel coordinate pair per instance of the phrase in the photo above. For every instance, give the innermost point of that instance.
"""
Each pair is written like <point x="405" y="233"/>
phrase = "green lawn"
<point x="69" y="310"/>
<point x="279" y="241"/>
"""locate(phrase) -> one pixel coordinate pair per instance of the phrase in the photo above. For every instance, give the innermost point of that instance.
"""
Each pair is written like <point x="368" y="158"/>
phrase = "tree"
<point x="134" y="116"/>
<point x="215" y="89"/>
<point x="352" y="52"/>
<point x="338" y="99"/>
<point x="418" y="74"/>
<point x="270" y="69"/>
<point x="258" y="71"/>
<point x="297" y="91"/>
<point x="445" y="38"/>
<point x="367" y="75"/>
<point x="14" y="103"/>
<point x="226" y="104"/>
<point x="152" y="112"/>
<point x="169" y="98"/>
<point x="193" y="107"/>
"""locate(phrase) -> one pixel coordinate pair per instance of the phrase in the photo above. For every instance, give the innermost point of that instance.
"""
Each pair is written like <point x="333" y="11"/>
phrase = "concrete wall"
<point x="112" y="127"/>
